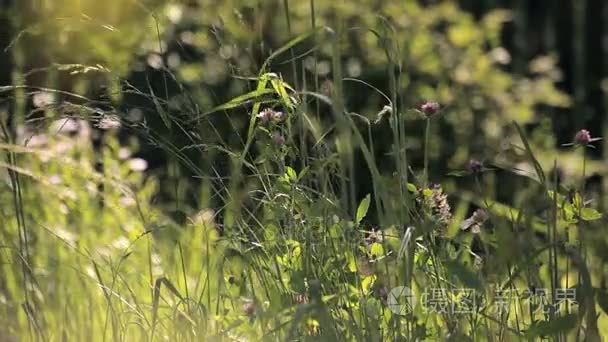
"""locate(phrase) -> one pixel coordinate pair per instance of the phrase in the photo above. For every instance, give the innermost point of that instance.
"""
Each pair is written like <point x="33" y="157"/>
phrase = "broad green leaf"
<point x="412" y="187"/>
<point x="590" y="214"/>
<point x="376" y="250"/>
<point x="362" y="209"/>
<point x="367" y="283"/>
<point x="352" y="263"/>
<point x="241" y="99"/>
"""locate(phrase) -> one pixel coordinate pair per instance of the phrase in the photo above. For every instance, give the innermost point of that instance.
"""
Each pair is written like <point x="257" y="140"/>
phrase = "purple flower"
<point x="428" y="108"/>
<point x="268" y="115"/>
<point x="582" y="137"/>
<point x="278" y="116"/>
<point x="474" y="166"/>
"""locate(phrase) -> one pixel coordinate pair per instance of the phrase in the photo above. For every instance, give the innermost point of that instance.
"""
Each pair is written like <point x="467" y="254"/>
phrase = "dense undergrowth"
<point x="295" y="251"/>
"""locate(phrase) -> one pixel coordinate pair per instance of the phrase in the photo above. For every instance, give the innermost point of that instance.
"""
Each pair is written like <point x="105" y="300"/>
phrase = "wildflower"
<point x="474" y="166"/>
<point x="54" y="180"/>
<point x="278" y="139"/>
<point x="278" y="116"/>
<point x="36" y="140"/>
<point x="582" y="138"/>
<point x="121" y="243"/>
<point x="436" y="202"/>
<point x="108" y="122"/>
<point x="127" y="201"/>
<point x="500" y="55"/>
<point x="43" y="99"/>
<point x="476" y="221"/>
<point x="124" y="153"/>
<point x="155" y="61"/>
<point x="66" y="235"/>
<point x="138" y="164"/>
<point x="428" y="108"/>
<point x="65" y="126"/>
<point x="442" y="209"/>
<point x="374" y="236"/>
<point x="268" y="115"/>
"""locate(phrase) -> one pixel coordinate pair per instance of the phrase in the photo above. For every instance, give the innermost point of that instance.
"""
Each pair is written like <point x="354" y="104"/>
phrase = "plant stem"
<point x="427" y="135"/>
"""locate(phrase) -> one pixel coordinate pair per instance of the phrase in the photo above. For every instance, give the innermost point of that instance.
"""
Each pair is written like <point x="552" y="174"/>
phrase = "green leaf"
<point x="280" y="88"/>
<point x="367" y="283"/>
<point x="240" y="100"/>
<point x="412" y="188"/>
<point x="376" y="250"/>
<point x="291" y="173"/>
<point x="351" y="262"/>
<point x="590" y="214"/>
<point x="458" y="173"/>
<point x="362" y="209"/>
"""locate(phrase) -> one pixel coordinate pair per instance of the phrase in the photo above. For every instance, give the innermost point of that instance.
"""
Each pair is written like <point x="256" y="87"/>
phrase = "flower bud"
<point x="428" y="108"/>
<point x="582" y="137"/>
<point x="474" y="166"/>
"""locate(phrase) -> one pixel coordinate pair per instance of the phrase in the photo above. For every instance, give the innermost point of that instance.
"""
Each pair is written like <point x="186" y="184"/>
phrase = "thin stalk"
<point x="313" y="22"/>
<point x="427" y="135"/>
<point x="579" y="56"/>
<point x="553" y="249"/>
<point x="581" y="245"/>
<point x="293" y="57"/>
